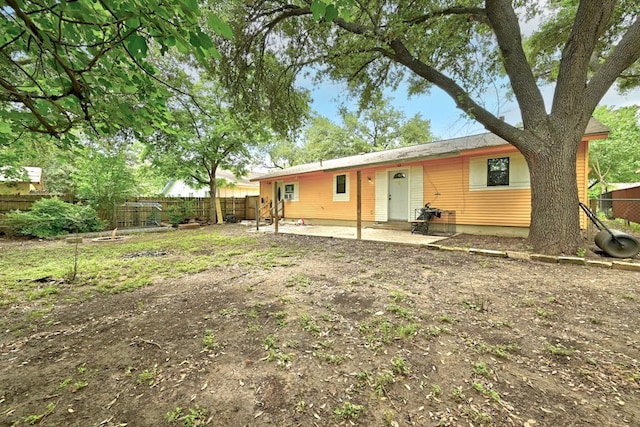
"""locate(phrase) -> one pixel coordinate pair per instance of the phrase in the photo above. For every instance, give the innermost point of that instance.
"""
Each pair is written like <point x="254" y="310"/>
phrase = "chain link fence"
<point x="618" y="213"/>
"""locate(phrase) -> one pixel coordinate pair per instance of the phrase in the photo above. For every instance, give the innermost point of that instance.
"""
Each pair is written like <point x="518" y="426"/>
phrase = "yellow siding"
<point x="238" y="191"/>
<point x="445" y="186"/>
<point x="315" y="198"/>
<point x="20" y="188"/>
<point x="582" y="175"/>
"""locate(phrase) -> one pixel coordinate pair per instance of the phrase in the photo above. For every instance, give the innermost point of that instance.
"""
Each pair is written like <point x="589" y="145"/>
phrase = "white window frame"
<point x="341" y="197"/>
<point x="518" y="173"/>
<point x="294" y="195"/>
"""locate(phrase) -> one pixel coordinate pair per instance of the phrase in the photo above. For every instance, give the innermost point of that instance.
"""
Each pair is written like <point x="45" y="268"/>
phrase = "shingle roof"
<point x="34" y="175"/>
<point x="446" y="148"/>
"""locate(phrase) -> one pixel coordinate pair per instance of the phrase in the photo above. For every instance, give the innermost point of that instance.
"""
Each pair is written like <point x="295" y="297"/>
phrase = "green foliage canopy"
<point x="197" y="144"/>
<point x="71" y="63"/>
<point x="617" y="158"/>
<point x="204" y="138"/>
<point x="378" y="127"/>
<point x="545" y="47"/>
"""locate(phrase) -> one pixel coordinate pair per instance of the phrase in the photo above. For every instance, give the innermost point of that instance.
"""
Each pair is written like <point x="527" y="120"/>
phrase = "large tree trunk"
<point x="555" y="220"/>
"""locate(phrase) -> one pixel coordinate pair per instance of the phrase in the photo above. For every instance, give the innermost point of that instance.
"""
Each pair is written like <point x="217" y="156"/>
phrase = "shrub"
<point x="179" y="214"/>
<point x="53" y="217"/>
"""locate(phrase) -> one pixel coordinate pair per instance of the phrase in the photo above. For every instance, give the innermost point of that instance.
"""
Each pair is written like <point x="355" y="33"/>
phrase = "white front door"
<point x="398" y="195"/>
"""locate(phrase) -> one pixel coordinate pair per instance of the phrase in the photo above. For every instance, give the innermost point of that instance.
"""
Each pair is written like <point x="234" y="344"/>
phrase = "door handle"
<point x="389" y="196"/>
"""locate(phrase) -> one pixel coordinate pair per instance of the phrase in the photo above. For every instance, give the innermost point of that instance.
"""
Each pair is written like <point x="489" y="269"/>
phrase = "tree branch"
<point x="507" y="31"/>
<point x="475" y="13"/>
<point x="78" y="88"/>
<point x="625" y="54"/>
<point x="592" y="20"/>
<point x="19" y="96"/>
<point x="289" y="12"/>
<point x="460" y="96"/>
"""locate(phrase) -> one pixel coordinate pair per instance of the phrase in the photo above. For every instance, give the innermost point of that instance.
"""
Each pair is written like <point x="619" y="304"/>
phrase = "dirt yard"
<point x="306" y="331"/>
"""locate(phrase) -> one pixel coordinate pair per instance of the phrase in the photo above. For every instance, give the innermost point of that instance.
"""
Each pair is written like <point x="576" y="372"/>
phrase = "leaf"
<point x="147" y="130"/>
<point x="137" y="45"/>
<point x="190" y="6"/>
<point x="5" y="127"/>
<point x="331" y="13"/>
<point x="345" y="14"/>
<point x="133" y="22"/>
<point x="182" y="46"/>
<point x="194" y="39"/>
<point x="318" y="8"/>
<point x="219" y="26"/>
<point x="205" y="41"/>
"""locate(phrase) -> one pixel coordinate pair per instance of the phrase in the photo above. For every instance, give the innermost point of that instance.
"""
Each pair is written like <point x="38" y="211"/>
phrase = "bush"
<point x="179" y="214"/>
<point x="53" y="217"/>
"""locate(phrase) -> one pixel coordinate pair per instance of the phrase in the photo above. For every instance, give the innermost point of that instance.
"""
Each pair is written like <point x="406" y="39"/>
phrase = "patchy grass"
<point x="221" y="327"/>
<point x="38" y="272"/>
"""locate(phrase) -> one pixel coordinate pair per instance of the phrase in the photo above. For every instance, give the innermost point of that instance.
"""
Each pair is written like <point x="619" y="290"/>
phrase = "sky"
<point x="437" y="107"/>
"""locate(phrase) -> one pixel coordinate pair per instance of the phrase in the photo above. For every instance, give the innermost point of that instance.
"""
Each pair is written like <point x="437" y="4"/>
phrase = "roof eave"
<point x="392" y="161"/>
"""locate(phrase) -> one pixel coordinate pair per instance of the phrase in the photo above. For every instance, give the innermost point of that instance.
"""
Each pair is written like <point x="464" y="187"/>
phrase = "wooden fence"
<point x="149" y="211"/>
<point x="10" y="202"/>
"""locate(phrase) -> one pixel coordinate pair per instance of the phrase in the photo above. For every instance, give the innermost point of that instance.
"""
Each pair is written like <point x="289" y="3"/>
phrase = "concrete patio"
<point x="373" y="234"/>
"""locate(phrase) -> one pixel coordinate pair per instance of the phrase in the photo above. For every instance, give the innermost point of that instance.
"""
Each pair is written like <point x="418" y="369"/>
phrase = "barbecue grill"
<point x="424" y="216"/>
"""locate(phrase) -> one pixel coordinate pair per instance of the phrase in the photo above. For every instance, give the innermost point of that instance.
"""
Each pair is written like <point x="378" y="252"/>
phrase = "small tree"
<point x="206" y="136"/>
<point x="104" y="178"/>
<point x="617" y="158"/>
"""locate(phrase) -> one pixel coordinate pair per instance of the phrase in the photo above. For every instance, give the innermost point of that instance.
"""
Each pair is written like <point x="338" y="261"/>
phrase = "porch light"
<point x="399" y="175"/>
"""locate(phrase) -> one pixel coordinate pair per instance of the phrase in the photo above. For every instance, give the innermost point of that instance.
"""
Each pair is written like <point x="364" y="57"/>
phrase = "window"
<point x="290" y="192"/>
<point x="487" y="173"/>
<point x="341" y="187"/>
<point x="341" y="184"/>
<point x="498" y="171"/>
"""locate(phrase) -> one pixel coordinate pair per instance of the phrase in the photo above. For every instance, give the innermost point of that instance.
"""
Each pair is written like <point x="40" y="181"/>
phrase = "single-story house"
<point x="480" y="182"/>
<point x="32" y="182"/>
<point x="238" y="187"/>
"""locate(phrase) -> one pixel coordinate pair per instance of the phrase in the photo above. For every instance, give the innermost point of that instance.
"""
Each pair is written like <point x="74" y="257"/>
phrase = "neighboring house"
<point x="32" y="183"/>
<point x="481" y="181"/>
<point x="238" y="187"/>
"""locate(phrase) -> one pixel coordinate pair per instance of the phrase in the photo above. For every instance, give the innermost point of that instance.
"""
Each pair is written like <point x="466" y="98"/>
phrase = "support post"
<point x="274" y="205"/>
<point x="359" y="205"/>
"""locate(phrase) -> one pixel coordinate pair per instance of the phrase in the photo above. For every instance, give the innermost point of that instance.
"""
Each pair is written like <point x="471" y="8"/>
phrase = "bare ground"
<point x="335" y="332"/>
